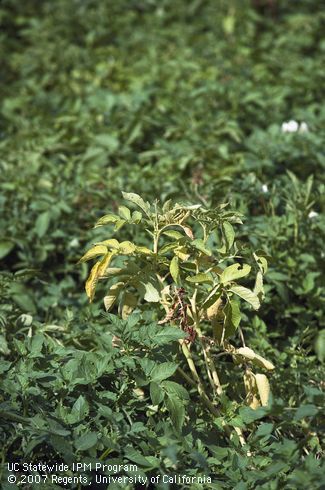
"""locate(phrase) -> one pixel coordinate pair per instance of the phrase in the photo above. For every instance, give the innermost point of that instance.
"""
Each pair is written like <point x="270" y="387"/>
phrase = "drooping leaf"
<point x="104" y="263"/>
<point x="92" y="281"/>
<point x="112" y="295"/>
<point x="174" y="270"/>
<point x="129" y="302"/>
<point x="151" y="293"/>
<point x="263" y="387"/>
<point x="234" y="271"/>
<point x="200" y="245"/>
<point x="233" y="317"/>
<point x="258" y="287"/>
<point x="247" y="295"/>
<point x="229" y="234"/>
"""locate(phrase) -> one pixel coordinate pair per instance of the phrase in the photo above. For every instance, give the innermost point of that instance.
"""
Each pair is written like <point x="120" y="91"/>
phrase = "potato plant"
<point x="194" y="275"/>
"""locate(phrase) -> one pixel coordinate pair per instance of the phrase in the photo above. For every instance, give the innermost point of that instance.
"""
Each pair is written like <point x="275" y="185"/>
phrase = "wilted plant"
<point x="192" y="273"/>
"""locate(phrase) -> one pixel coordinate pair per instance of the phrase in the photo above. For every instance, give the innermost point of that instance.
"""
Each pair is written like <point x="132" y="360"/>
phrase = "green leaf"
<point x="163" y="371"/>
<point x="265" y="429"/>
<point x="168" y="334"/>
<point x="79" y="410"/>
<point x="5" y="248"/>
<point x="320" y="345"/>
<point x="234" y="271"/>
<point x="86" y="441"/>
<point x="233" y="317"/>
<point x="135" y="456"/>
<point x="247" y="295"/>
<point x="136" y="199"/>
<point x="176" y="411"/>
<point x="305" y="411"/>
<point x="156" y="393"/>
<point x="200" y="245"/>
<point x="42" y="223"/>
<point x="173" y="388"/>
<point x="202" y="277"/>
<point x="174" y="270"/>
<point x="229" y="234"/>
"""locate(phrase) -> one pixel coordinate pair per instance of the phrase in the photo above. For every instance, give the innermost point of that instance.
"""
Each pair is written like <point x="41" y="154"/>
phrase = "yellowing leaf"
<point x="96" y="272"/>
<point x="251" y="390"/>
<point x="263" y="387"/>
<point x="94" y="252"/>
<point x="180" y="252"/>
<point x="92" y="281"/>
<point x="111" y="243"/>
<point x="143" y="250"/>
<point x="256" y="359"/>
<point x="213" y="310"/>
<point x="127" y="248"/>
<point x="128" y="304"/>
<point x="152" y="294"/>
<point x="104" y="263"/>
<point x="108" y="218"/>
<point x="112" y="295"/>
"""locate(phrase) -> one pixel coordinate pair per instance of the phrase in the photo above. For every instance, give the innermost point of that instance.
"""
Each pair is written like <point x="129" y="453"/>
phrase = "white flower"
<point x="312" y="214"/>
<point x="303" y="127"/>
<point x="290" y="127"/>
<point x="265" y="188"/>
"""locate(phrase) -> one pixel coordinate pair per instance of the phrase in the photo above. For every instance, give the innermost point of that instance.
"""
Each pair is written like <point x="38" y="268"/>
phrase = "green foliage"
<point x="181" y="102"/>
